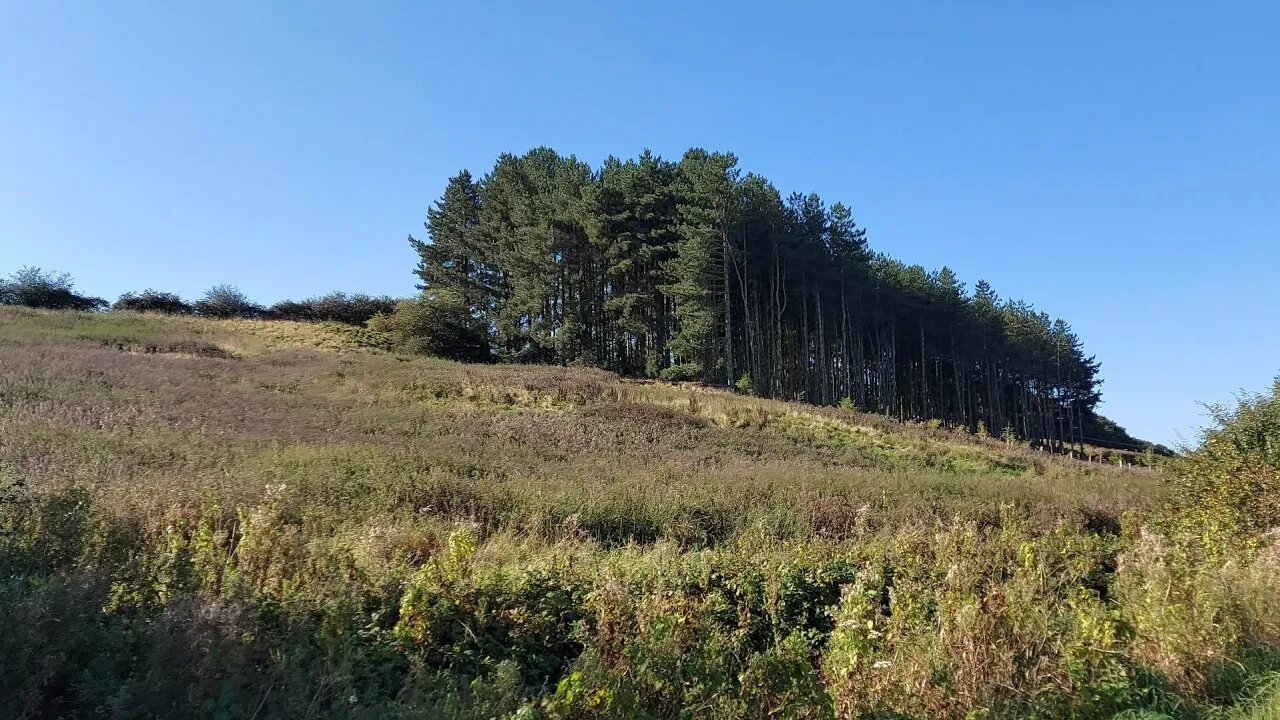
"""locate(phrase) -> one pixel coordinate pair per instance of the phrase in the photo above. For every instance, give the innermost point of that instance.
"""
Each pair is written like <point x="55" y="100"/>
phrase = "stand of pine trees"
<point x="695" y="270"/>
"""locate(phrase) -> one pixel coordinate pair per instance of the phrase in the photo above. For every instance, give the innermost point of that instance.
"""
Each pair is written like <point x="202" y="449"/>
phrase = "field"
<point x="240" y="519"/>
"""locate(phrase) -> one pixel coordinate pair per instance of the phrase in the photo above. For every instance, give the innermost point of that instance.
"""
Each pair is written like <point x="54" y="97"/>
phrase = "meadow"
<point x="257" y="519"/>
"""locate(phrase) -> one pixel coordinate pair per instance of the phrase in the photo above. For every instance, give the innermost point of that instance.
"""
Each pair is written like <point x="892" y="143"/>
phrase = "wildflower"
<point x="880" y="664"/>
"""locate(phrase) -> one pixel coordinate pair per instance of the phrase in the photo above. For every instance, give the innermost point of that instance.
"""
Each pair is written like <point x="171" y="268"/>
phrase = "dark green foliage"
<point x="682" y="372"/>
<point x="635" y="235"/>
<point x="454" y="260"/>
<point x="531" y="222"/>
<point x="36" y="288"/>
<point x="226" y="301"/>
<point x="1105" y="432"/>
<point x="694" y="270"/>
<point x="437" y="324"/>
<point x="353" y="309"/>
<point x="153" y="301"/>
<point x="699" y="269"/>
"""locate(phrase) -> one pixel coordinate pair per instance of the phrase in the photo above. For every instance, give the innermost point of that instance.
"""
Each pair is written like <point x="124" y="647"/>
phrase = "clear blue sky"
<point x="1116" y="164"/>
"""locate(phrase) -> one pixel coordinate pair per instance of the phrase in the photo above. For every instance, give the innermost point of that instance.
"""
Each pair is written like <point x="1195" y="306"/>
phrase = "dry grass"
<point x="287" y="402"/>
<point x="271" y="518"/>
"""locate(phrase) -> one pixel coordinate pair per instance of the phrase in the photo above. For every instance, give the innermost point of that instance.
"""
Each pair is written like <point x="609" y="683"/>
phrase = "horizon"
<point x="292" y="155"/>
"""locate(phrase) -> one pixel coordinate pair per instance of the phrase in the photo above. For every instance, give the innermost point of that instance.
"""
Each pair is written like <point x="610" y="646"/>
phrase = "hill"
<point x="243" y="518"/>
<point x="698" y="270"/>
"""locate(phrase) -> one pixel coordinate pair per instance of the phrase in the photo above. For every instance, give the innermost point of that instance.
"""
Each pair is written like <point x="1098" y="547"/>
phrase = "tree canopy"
<point x="693" y="269"/>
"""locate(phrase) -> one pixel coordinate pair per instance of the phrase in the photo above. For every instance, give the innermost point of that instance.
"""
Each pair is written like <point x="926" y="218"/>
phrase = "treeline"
<point x="696" y="270"/>
<point x="37" y="288"/>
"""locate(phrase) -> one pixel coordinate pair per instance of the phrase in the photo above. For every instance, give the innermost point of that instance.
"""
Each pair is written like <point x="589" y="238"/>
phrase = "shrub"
<point x="744" y="385"/>
<point x="226" y="301"/>
<point x="354" y="309"/>
<point x="682" y="372"/>
<point x="153" y="301"/>
<point x="1229" y="487"/>
<point x="440" y="325"/>
<point x="36" y="288"/>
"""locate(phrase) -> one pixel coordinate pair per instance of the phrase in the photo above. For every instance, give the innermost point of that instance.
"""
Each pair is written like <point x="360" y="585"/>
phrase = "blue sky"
<point x="1117" y="164"/>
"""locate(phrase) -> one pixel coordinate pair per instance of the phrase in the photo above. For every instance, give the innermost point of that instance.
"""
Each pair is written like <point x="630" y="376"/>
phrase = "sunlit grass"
<point x="277" y="517"/>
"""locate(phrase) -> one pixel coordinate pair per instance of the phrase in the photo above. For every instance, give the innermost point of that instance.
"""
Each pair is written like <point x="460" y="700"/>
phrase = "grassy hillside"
<point x="268" y="519"/>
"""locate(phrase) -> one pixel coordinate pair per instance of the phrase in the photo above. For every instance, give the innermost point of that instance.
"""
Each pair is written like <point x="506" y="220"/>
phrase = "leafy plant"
<point x="153" y="301"/>
<point x="226" y="301"/>
<point x="1228" y="489"/>
<point x="36" y="288"/>
<point x="437" y="324"/>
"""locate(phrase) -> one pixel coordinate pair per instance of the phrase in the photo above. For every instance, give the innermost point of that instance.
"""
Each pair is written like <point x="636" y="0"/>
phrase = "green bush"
<point x="353" y="309"/>
<point x="226" y="301"/>
<point x="36" y="288"/>
<point x="153" y="301"/>
<point x="683" y="372"/>
<point x="437" y="324"/>
<point x="1228" y="489"/>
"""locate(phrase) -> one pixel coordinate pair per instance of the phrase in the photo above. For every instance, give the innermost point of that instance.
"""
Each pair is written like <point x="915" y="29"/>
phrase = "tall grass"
<point x="224" y="519"/>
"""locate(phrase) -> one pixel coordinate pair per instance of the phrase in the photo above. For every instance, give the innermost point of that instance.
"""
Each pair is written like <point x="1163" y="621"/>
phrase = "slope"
<point x="246" y="518"/>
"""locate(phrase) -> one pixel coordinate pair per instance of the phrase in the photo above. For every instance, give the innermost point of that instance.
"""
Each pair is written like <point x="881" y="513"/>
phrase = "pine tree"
<point x="695" y="271"/>
<point x="452" y="259"/>
<point x="698" y="269"/>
